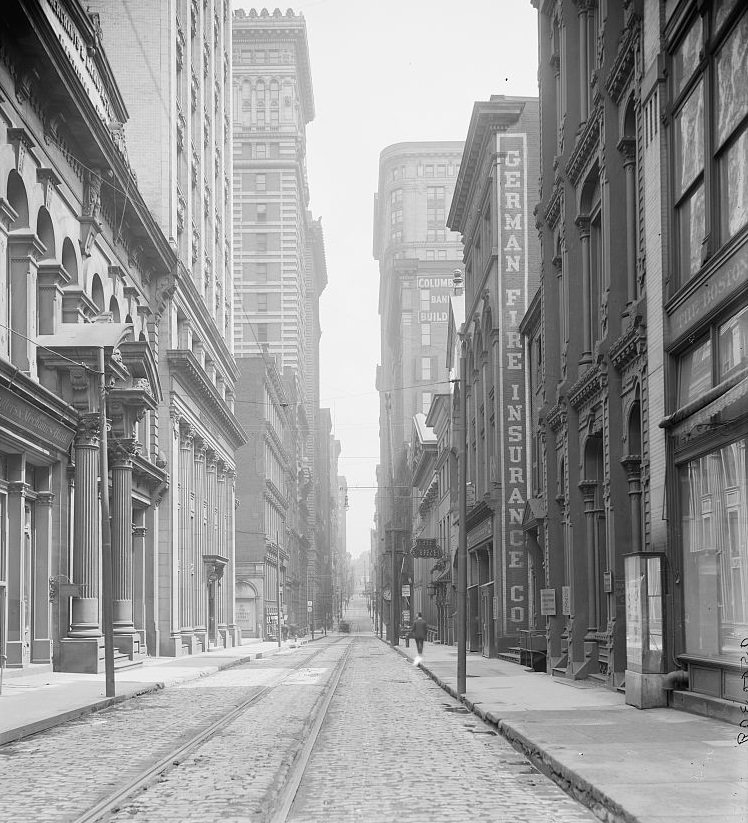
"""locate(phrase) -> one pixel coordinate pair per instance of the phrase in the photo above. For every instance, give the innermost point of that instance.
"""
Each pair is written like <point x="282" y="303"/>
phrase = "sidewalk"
<point x="625" y="764"/>
<point x="33" y="701"/>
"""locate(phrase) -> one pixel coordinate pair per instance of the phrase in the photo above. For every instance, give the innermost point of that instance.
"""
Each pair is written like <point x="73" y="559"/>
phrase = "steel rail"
<point x="296" y="773"/>
<point x="172" y="760"/>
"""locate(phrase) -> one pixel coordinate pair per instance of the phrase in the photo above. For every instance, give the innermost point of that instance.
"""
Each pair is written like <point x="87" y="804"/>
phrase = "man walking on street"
<point x="419" y="633"/>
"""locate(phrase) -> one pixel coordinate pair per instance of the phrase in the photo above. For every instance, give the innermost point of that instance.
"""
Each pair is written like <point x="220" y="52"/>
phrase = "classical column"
<point x="200" y="587"/>
<point x="588" y="489"/>
<point x="211" y="542"/>
<point x="231" y="554"/>
<point x="221" y="540"/>
<point x="584" y="71"/>
<point x="486" y="418"/>
<point x="41" y="643"/>
<point x="139" y="596"/>
<point x="627" y="147"/>
<point x="85" y="609"/>
<point x="186" y="500"/>
<point x="121" y="455"/>
<point x="632" y="465"/>
<point x="19" y="621"/>
<point x="583" y="224"/>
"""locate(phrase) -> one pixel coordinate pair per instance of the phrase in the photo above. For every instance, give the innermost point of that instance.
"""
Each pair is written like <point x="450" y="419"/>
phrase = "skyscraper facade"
<point x="417" y="255"/>
<point x="173" y="61"/>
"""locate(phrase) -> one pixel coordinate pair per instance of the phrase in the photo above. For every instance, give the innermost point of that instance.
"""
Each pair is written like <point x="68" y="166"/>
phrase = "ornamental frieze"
<point x="589" y="386"/>
<point x="623" y="66"/>
<point x="586" y="147"/>
<point x="629" y="346"/>
<point x="556" y="417"/>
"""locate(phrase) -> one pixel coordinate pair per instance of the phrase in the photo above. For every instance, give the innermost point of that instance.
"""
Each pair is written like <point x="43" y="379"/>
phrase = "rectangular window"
<point x="425" y="368"/>
<point x="262" y="213"/>
<point x="425" y="300"/>
<point x="441" y="254"/>
<point x="441" y="171"/>
<point x="695" y="372"/>
<point x="260" y="151"/>
<point x="426" y="401"/>
<point x="428" y="171"/>
<point x="260" y="182"/>
<point x="261" y="332"/>
<point x="262" y="302"/>
<point x="261" y="272"/>
<point x="425" y="334"/>
<point x="430" y="254"/>
<point x="261" y="243"/>
<point x="714" y="529"/>
<point x="733" y="344"/>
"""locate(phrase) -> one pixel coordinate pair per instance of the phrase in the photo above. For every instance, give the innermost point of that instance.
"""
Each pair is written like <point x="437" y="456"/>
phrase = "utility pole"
<point x="462" y="542"/>
<point x="395" y="583"/>
<point x="106" y="537"/>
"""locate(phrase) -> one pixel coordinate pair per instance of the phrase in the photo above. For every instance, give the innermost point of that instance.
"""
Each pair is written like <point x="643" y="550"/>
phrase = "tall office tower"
<point x="173" y="61"/>
<point x="280" y="270"/>
<point x="417" y="256"/>
<point x="273" y="103"/>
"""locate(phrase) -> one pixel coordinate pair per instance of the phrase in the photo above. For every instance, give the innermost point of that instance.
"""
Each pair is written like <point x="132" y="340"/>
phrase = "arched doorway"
<point x="246" y="609"/>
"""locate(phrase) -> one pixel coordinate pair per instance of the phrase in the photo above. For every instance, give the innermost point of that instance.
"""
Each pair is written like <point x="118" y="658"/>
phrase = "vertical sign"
<point x="513" y="277"/>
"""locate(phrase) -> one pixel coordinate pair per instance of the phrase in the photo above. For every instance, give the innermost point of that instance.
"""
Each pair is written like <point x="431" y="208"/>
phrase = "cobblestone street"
<point x="393" y="746"/>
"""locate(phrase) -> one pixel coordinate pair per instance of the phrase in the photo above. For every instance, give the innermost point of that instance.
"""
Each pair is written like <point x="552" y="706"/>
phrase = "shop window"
<point x="714" y="530"/>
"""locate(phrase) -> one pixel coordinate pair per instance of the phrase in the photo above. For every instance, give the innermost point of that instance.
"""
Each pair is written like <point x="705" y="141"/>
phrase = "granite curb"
<point x="46" y="723"/>
<point x="576" y="786"/>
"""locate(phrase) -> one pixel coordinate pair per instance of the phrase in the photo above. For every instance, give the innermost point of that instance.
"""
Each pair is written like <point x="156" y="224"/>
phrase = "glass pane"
<point x="723" y="8"/>
<point x="732" y="86"/>
<point x="695" y="373"/>
<point x="690" y="140"/>
<point x="686" y="56"/>
<point x="714" y="524"/>
<point x="692" y="229"/>
<point x="734" y="186"/>
<point x="733" y="344"/>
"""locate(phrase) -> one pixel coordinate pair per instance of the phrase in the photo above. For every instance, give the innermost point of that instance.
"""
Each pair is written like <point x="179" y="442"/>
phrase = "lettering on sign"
<point x="483" y="531"/>
<point x="34" y="421"/>
<point x="548" y="602"/>
<point x="724" y="281"/>
<point x="80" y="58"/>
<point x="513" y="297"/>
<point x="566" y="601"/>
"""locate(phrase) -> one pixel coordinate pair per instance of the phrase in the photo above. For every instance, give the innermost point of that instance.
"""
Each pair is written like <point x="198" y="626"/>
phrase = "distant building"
<point x="417" y="255"/>
<point x="279" y="264"/>
<point x="173" y="63"/>
<point x="492" y="208"/>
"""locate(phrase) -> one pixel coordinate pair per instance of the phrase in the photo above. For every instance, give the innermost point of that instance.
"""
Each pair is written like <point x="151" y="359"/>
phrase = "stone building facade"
<point x="173" y="62"/>
<point x="83" y="266"/>
<point x="641" y="408"/>
<point x="494" y="195"/>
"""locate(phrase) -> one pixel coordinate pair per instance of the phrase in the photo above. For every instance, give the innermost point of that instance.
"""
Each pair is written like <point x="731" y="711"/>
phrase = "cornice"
<point x="553" y="209"/>
<point x="585" y="146"/>
<point x="623" y="65"/>
<point x="556" y="417"/>
<point x="628" y="346"/>
<point x="186" y="365"/>
<point x="589" y="385"/>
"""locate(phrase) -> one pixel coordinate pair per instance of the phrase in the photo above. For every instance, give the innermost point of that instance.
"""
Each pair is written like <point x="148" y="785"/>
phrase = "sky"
<point x="386" y="71"/>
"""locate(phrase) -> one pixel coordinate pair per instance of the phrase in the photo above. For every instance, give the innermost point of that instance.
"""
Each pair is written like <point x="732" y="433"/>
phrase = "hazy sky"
<point x="386" y="71"/>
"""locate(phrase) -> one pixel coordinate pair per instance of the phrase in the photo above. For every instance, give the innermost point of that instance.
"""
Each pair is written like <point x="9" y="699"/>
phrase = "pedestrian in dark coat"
<point x="419" y="632"/>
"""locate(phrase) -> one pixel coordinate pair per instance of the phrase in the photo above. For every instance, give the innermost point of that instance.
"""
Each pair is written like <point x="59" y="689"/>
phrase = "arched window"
<point x="18" y="200"/>
<point x="46" y="233"/>
<point x="70" y="259"/>
<point x="114" y="309"/>
<point x="97" y="293"/>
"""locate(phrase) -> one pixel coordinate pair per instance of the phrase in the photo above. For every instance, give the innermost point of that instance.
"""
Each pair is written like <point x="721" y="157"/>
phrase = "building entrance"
<point x="486" y="619"/>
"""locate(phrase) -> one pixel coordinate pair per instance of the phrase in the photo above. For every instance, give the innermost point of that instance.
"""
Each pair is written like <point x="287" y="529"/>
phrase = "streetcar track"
<point x="172" y="760"/>
<point x="296" y="773"/>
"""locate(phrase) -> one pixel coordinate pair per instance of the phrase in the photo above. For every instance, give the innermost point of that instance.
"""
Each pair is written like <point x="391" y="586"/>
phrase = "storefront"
<point x="480" y="591"/>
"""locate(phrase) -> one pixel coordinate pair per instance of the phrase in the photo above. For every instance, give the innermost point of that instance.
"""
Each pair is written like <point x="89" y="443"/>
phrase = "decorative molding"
<point x="586" y="145"/>
<point x="630" y="345"/>
<point x="50" y="181"/>
<point x="622" y="69"/>
<point x="589" y="386"/>
<point x="557" y="416"/>
<point x="22" y="144"/>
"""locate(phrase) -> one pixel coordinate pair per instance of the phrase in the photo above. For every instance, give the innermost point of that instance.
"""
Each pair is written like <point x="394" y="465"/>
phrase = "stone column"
<point x="583" y="224"/>
<point x="584" y="71"/>
<point x="200" y="588"/>
<point x="230" y="576"/>
<point x="186" y="501"/>
<point x="86" y="530"/>
<point x="632" y="465"/>
<point x="41" y="642"/>
<point x="18" y="639"/>
<point x="486" y="419"/>
<point x="211" y="542"/>
<point x="121" y="455"/>
<point x="588" y="489"/>
<point x="221" y="543"/>
<point x="139" y="534"/>
<point x="627" y="147"/>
